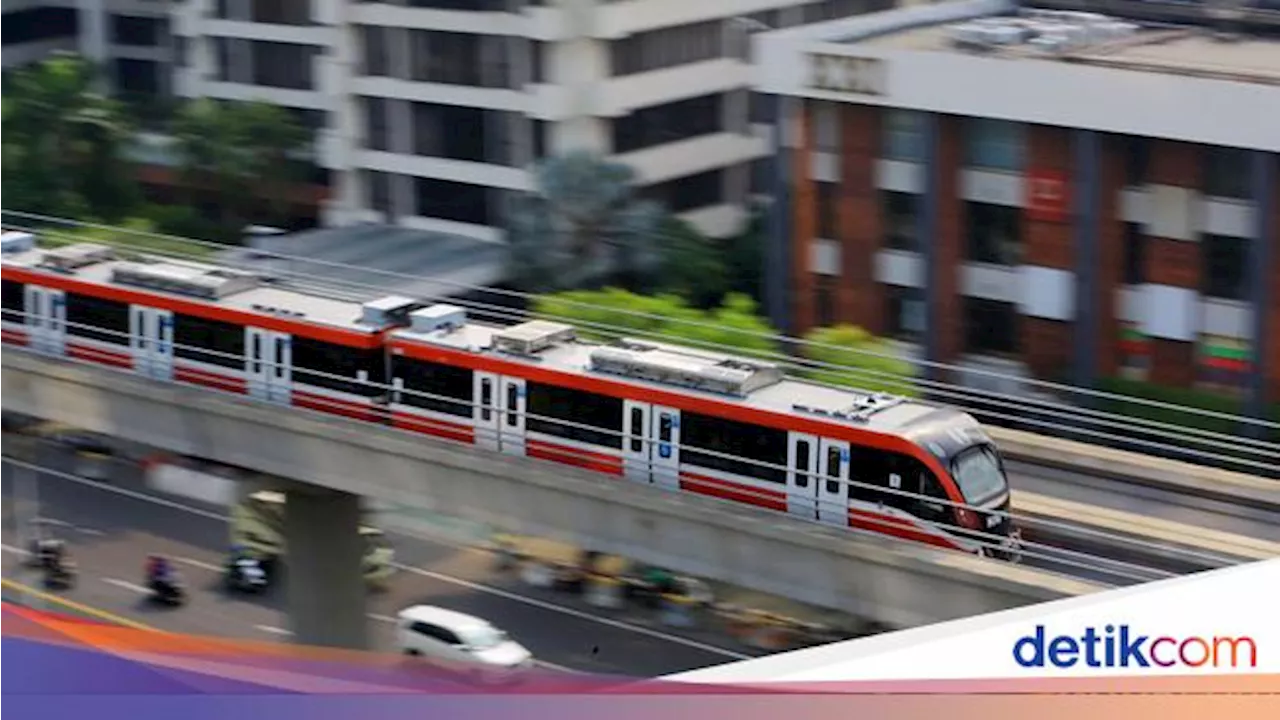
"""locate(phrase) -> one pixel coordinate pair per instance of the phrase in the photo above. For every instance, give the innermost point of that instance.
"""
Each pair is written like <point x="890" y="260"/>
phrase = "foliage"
<point x="744" y="256"/>
<point x="584" y="224"/>
<point x="874" y="367"/>
<point x="692" y="265"/>
<point x="733" y="326"/>
<point x="239" y="151"/>
<point x="141" y="234"/>
<point x="1185" y="397"/>
<point x="64" y="143"/>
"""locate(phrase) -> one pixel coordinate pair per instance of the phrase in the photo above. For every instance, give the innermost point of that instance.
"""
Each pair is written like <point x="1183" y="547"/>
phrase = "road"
<point x="111" y="533"/>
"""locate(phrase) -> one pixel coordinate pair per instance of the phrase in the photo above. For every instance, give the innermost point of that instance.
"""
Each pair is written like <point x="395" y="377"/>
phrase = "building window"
<point x="222" y="59"/>
<point x="449" y="131"/>
<point x="1223" y="364"/>
<point x="905" y="313"/>
<point x="667" y="47"/>
<point x="284" y="65"/>
<point x="994" y="233"/>
<point x="137" y="77"/>
<point x="378" y="185"/>
<point x="990" y="327"/>
<point x="281" y="12"/>
<point x="689" y="193"/>
<point x="903" y="135"/>
<point x="540" y="140"/>
<point x="824" y="300"/>
<point x="376" y="123"/>
<point x="137" y="31"/>
<point x="376" y="58"/>
<point x="827" y="194"/>
<point x="1226" y="172"/>
<point x="994" y="144"/>
<point x="667" y="123"/>
<point x="901" y="224"/>
<point x="36" y="24"/>
<point x="762" y="109"/>
<point x="460" y="202"/>
<point x="1137" y="158"/>
<point x="1135" y="254"/>
<point x="1226" y="263"/>
<point x="1135" y="352"/>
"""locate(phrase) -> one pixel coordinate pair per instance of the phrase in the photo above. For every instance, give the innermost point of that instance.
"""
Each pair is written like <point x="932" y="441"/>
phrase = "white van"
<point x="461" y="642"/>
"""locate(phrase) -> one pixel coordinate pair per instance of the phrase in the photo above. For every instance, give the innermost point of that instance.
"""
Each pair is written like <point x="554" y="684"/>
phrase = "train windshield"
<point x="979" y="474"/>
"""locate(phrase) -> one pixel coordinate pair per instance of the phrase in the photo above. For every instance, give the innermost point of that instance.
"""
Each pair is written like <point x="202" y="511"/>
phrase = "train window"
<point x="433" y="386"/>
<point x="486" y="399"/>
<point x="637" y="430"/>
<point x="762" y="451"/>
<point x="664" y="427"/>
<point x="549" y="403"/>
<point x="335" y="367"/>
<point x="868" y="471"/>
<point x="97" y="319"/>
<point x="802" y="463"/>
<point x="14" y="302"/>
<point x="208" y="341"/>
<point x="513" y="405"/>
<point x="833" y="470"/>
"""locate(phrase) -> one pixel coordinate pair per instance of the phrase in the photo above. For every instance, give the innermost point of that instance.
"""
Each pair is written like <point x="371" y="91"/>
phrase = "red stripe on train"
<point x="363" y="411"/>
<point x="209" y="379"/>
<point x="725" y="490"/>
<point x="599" y="462"/>
<point x="899" y="527"/>
<point x="432" y="426"/>
<point x="99" y="356"/>
<point x="14" y="337"/>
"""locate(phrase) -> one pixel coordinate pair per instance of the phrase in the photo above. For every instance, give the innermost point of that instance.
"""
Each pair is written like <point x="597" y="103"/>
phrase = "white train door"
<point x="637" y="448"/>
<point x="46" y="319"/>
<point x="269" y="365"/>
<point x="802" y="466"/>
<point x="485" y="413"/>
<point x="665" y="433"/>
<point x="833" y="504"/>
<point x="151" y="340"/>
<point x="514" y="398"/>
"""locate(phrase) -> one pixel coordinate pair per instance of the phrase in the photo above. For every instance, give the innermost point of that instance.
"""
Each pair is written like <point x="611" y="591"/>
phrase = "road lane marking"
<point x="199" y="564"/>
<point x="77" y="607"/>
<point x="127" y="585"/>
<point x="273" y="630"/>
<point x="441" y="577"/>
<point x="382" y="618"/>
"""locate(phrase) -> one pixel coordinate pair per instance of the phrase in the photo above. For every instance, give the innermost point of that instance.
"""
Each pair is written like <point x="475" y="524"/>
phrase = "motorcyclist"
<point x="51" y="553"/>
<point x="158" y="571"/>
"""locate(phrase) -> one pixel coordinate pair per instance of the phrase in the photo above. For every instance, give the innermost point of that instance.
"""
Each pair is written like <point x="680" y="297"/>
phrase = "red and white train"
<point x="681" y="418"/>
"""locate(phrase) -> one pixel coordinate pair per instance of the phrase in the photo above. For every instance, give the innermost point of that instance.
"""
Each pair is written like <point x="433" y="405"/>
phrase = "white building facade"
<point x="429" y="113"/>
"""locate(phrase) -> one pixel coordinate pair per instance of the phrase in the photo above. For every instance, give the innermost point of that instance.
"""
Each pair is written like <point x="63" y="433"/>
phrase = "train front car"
<point x="961" y="446"/>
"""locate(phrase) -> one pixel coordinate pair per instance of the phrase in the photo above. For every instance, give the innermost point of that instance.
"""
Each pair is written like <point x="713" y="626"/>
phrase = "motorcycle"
<point x="246" y="575"/>
<point x="60" y="577"/>
<point x="167" y="591"/>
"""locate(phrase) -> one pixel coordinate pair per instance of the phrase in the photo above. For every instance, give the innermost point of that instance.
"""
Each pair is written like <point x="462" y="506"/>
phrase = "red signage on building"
<point x="1047" y="199"/>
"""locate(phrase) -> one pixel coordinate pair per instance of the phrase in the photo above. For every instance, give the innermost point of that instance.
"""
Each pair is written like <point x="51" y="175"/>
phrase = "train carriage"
<point x="196" y="323"/>
<point x="683" y="419"/>
<point x="702" y="422"/>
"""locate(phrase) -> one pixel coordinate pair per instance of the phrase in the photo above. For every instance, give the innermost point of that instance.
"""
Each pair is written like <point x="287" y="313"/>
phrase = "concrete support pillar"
<point x="1085" y="191"/>
<point x="1262" y="263"/>
<point x="326" y="583"/>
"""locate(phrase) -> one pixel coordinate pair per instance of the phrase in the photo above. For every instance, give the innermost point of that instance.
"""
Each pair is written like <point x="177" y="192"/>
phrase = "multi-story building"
<point x="1069" y="196"/>
<point x="129" y="39"/>
<point x="430" y="112"/>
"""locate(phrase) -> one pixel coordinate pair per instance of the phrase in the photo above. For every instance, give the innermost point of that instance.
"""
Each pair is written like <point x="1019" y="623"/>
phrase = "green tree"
<point x="241" y="152"/>
<point x="744" y="256"/>
<point x="873" y="366"/>
<point x="692" y="265"/>
<point x="732" y="327"/>
<point x="583" y="224"/>
<point x="65" y="143"/>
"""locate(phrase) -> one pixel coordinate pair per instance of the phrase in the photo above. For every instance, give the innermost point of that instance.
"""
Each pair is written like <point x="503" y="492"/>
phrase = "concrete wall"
<point x="872" y="577"/>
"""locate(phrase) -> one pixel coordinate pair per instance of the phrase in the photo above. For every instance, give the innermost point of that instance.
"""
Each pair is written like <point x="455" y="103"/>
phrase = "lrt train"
<point x="680" y="418"/>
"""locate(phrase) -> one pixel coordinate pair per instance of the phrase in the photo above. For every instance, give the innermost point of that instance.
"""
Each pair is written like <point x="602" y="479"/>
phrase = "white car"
<point x="461" y="641"/>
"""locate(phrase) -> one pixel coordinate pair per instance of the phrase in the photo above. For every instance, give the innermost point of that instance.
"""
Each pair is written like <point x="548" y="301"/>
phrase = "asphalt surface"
<point x="110" y="534"/>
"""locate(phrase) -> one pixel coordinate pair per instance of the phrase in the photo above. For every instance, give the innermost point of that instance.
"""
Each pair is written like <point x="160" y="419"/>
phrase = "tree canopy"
<point x="584" y="223"/>
<point x="873" y="365"/>
<point x="64" y="143"/>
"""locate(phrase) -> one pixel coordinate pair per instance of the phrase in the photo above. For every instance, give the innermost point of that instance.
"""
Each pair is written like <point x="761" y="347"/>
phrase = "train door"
<point x="151" y="340"/>
<point x="664" y="429"/>
<point x="833" y="506"/>
<point x="637" y="448"/>
<point x="514" y="400"/>
<point x="485" y="413"/>
<point x="802" y="466"/>
<point x="269" y="365"/>
<point x="46" y="319"/>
